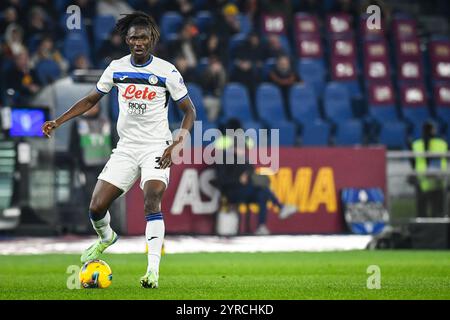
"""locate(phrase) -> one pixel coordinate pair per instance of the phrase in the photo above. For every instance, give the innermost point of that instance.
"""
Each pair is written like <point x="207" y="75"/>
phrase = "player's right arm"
<point x="80" y="107"/>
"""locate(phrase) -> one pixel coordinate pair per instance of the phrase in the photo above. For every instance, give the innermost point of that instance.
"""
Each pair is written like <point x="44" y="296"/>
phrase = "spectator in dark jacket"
<point x="227" y="23"/>
<point x="284" y="76"/>
<point x="213" y="82"/>
<point x="187" y="44"/>
<point x="21" y="79"/>
<point x="214" y="47"/>
<point x="238" y="183"/>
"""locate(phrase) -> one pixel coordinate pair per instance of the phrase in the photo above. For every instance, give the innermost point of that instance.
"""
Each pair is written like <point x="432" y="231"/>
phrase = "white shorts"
<point x="126" y="164"/>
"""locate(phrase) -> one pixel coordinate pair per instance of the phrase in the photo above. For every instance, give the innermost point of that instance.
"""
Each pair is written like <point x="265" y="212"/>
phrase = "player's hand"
<point x="166" y="159"/>
<point x="48" y="127"/>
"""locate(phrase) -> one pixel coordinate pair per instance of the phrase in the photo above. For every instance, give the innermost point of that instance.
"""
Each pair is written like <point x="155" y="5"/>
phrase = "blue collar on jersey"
<point x="141" y="65"/>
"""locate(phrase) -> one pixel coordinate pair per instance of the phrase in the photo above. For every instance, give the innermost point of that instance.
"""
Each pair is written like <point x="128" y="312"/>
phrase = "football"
<point x="95" y="274"/>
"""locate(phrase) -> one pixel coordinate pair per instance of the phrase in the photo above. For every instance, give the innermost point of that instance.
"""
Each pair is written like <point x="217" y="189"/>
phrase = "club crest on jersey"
<point x="153" y="79"/>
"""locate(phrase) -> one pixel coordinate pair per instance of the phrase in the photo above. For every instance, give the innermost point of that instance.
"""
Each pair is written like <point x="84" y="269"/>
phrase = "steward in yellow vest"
<point x="430" y="189"/>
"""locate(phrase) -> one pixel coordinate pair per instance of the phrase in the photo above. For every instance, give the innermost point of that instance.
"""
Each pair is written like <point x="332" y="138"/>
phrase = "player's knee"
<point x="152" y="201"/>
<point x="97" y="207"/>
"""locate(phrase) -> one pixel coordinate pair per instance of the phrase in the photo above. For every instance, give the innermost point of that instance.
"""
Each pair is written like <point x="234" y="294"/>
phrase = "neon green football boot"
<point x="150" y="280"/>
<point x="95" y="250"/>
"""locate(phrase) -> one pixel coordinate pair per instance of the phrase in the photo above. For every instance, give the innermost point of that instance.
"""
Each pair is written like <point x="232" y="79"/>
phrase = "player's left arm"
<point x="188" y="121"/>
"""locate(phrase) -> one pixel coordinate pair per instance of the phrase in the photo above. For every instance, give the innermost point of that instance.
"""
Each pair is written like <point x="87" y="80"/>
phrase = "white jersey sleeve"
<point x="105" y="83"/>
<point x="175" y="85"/>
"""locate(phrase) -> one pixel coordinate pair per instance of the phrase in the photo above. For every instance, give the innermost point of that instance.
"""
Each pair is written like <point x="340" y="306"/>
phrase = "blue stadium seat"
<point x="60" y="5"/>
<point x="171" y="23"/>
<point x="416" y="116"/>
<point x="287" y="132"/>
<point x="251" y="125"/>
<point x="74" y="45"/>
<point x="245" y="23"/>
<point x="202" y="65"/>
<point x="312" y="72"/>
<point x="443" y="113"/>
<point x="337" y="103"/>
<point x="315" y="133"/>
<point x="196" y="95"/>
<point x="47" y="71"/>
<point x="349" y="132"/>
<point x="353" y="88"/>
<point x="269" y="104"/>
<point x="204" y="21"/>
<point x="103" y="26"/>
<point x="236" y="102"/>
<point x="33" y="42"/>
<point x="383" y="113"/>
<point x="393" y="135"/>
<point x="234" y="42"/>
<point x="303" y="103"/>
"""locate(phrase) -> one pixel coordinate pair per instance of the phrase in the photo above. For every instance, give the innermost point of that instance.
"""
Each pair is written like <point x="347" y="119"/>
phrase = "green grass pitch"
<point x="295" y="275"/>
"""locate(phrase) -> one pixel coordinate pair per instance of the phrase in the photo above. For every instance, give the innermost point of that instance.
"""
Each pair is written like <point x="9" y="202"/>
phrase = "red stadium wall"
<point x="310" y="178"/>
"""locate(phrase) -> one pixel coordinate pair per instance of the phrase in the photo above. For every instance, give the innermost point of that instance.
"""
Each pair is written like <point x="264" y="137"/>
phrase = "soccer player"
<point x="144" y="84"/>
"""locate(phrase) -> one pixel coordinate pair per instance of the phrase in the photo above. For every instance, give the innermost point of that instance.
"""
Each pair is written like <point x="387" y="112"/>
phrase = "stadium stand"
<point x="385" y="81"/>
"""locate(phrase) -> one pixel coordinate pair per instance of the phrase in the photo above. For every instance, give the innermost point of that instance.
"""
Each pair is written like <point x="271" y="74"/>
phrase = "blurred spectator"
<point x="252" y="50"/>
<point x="239" y="183"/>
<point x="429" y="182"/>
<point x="81" y="62"/>
<point x="47" y="6"/>
<point x="244" y="71"/>
<point x="213" y="81"/>
<point x="213" y="47"/>
<point x="227" y="23"/>
<point x="13" y="41"/>
<point x="21" y="78"/>
<point x="112" y="49"/>
<point x="113" y="8"/>
<point x="284" y="76"/>
<point x="47" y="51"/>
<point x="183" y="7"/>
<point x="187" y="44"/>
<point x="39" y="24"/>
<point x="154" y="7"/>
<point x="9" y="17"/>
<point x="189" y="74"/>
<point x="273" y="47"/>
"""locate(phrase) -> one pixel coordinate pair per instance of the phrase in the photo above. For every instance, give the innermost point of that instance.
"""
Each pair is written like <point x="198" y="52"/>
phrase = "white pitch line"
<point x="190" y="244"/>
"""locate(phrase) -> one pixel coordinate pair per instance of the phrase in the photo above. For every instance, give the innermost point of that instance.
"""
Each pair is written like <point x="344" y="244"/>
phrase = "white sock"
<point x="103" y="228"/>
<point x="154" y="235"/>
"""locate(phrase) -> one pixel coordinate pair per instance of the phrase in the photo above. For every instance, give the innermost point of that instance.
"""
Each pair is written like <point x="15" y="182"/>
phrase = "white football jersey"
<point x="143" y="93"/>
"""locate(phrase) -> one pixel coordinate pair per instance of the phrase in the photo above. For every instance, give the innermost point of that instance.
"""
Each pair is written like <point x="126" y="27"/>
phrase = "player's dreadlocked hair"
<point x="138" y="18"/>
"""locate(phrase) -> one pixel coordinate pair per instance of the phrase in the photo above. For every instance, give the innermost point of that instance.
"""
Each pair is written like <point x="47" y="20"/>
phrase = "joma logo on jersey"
<point x="131" y="92"/>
